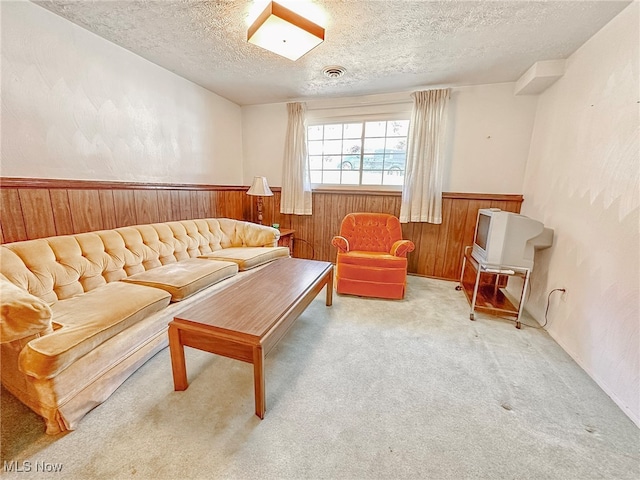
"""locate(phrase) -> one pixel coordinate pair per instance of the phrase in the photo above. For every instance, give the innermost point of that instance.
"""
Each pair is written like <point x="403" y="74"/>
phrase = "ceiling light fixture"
<point x="284" y="32"/>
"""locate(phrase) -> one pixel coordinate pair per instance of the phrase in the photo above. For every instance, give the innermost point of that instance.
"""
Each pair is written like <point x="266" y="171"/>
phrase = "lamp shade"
<point x="284" y="32"/>
<point x="260" y="187"/>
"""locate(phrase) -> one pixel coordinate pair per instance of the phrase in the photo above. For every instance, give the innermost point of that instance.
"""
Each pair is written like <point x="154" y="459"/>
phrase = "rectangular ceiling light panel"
<point x="284" y="32"/>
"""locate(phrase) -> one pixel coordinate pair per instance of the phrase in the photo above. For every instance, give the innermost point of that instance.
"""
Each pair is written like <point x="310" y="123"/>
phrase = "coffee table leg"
<point x="177" y="359"/>
<point x="258" y="381"/>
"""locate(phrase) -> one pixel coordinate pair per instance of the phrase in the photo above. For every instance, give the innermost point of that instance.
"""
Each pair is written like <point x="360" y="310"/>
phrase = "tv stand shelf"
<point x="483" y="285"/>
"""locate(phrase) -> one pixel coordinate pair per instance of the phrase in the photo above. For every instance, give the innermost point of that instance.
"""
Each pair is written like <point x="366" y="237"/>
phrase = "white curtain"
<point x="296" y="182"/>
<point x="422" y="190"/>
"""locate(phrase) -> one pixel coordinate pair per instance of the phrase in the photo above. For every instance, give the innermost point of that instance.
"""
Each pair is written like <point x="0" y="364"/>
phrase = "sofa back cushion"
<point x="192" y="236"/>
<point x="57" y="268"/>
<point x="25" y="264"/>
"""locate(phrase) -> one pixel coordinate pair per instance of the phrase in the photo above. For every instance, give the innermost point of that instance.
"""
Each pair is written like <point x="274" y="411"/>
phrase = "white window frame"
<point x="358" y="113"/>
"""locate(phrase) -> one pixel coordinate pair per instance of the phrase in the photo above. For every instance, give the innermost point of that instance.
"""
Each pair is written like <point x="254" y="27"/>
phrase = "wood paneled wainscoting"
<point x="37" y="208"/>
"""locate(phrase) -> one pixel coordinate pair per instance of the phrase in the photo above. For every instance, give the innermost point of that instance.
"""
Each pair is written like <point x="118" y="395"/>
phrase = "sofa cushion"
<point x="184" y="278"/>
<point x="248" y="257"/>
<point x="22" y="313"/>
<point x="83" y="322"/>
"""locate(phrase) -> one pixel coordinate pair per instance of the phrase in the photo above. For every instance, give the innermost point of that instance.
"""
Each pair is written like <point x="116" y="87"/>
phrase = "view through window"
<point x="358" y="153"/>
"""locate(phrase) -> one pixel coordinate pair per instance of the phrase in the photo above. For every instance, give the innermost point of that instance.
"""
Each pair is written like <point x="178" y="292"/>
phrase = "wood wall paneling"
<point x="165" y="213"/>
<point x="107" y="205"/>
<point x="202" y="204"/>
<point x="455" y="236"/>
<point x="219" y="198"/>
<point x="124" y="206"/>
<point x="320" y="232"/>
<point x="185" y="211"/>
<point x="146" y="206"/>
<point x="86" y="210"/>
<point x="276" y="207"/>
<point x="13" y="224"/>
<point x="231" y="204"/>
<point x="443" y="236"/>
<point x="36" y="208"/>
<point x="61" y="207"/>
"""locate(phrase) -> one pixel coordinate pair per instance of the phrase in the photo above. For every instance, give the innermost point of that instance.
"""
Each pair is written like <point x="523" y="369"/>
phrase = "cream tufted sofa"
<point x="80" y="313"/>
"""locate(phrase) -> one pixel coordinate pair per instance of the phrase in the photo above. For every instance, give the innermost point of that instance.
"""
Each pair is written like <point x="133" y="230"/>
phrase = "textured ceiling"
<point x="386" y="46"/>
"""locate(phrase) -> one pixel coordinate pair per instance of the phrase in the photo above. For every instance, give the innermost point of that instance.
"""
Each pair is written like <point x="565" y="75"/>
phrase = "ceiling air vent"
<point x="334" y="71"/>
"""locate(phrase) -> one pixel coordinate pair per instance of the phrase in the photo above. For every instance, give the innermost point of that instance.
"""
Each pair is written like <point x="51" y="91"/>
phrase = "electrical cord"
<point x="546" y="311"/>
<point x="548" y="303"/>
<point x="313" y="252"/>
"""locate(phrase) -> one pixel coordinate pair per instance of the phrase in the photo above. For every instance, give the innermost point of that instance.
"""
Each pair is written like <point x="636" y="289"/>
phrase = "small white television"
<point x="506" y="239"/>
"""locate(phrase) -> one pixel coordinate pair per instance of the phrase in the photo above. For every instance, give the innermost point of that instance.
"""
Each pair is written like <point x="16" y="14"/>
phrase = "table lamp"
<point x="260" y="188"/>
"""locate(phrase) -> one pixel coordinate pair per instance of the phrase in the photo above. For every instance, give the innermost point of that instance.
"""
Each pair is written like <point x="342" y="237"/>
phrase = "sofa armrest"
<point x="401" y="247"/>
<point x="23" y="314"/>
<point x="255" y="235"/>
<point x="341" y="243"/>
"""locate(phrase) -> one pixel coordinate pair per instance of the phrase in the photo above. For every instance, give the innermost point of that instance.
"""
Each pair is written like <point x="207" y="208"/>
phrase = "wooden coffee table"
<point x="247" y="319"/>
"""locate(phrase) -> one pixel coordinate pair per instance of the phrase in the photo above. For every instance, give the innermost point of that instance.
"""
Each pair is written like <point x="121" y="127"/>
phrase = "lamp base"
<point x="260" y="210"/>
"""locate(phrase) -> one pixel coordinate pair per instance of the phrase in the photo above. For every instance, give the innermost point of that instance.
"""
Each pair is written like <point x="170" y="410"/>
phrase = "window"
<point x="358" y="153"/>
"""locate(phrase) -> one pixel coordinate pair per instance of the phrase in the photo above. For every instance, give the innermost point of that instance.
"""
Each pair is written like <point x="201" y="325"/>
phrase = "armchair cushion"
<point x="373" y="259"/>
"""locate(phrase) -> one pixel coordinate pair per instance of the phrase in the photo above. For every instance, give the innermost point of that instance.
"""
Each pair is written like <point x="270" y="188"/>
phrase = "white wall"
<point x="583" y="180"/>
<point x="264" y="128"/>
<point x="489" y="134"/>
<point x="76" y="106"/>
<point x="490" y="131"/>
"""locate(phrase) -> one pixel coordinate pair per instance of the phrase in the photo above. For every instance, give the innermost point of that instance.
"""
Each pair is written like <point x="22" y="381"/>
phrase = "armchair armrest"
<point x="401" y="247"/>
<point x="341" y="243"/>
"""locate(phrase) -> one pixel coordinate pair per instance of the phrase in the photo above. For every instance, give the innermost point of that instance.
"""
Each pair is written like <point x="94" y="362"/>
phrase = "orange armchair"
<point x="372" y="256"/>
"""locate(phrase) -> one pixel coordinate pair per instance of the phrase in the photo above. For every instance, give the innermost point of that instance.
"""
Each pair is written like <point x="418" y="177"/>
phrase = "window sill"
<point x="392" y="190"/>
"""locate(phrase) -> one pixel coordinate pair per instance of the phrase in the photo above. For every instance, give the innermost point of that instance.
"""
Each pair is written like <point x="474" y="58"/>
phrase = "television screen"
<point x="482" y="230"/>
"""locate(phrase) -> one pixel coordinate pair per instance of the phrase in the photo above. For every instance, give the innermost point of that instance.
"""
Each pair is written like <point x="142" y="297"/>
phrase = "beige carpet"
<point x="365" y="389"/>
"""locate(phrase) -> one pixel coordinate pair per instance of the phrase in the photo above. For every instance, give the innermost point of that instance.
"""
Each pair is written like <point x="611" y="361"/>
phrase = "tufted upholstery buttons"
<point x="371" y="231"/>
<point x="61" y="267"/>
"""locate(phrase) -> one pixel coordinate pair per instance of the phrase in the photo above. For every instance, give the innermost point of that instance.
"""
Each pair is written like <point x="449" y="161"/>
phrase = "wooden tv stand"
<point x="483" y="284"/>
